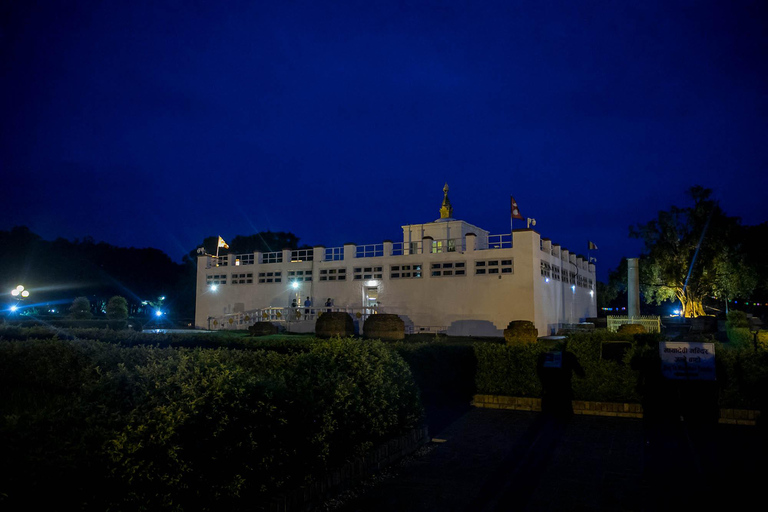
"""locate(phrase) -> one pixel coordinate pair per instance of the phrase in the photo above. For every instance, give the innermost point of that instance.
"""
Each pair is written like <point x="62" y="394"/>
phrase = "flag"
<point x="591" y="246"/>
<point x="515" y="210"/>
<point x="222" y="243"/>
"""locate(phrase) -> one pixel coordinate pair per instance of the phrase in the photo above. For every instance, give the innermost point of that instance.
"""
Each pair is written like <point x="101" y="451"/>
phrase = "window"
<point x="546" y="269"/>
<point x="405" y="271"/>
<point x="333" y="274"/>
<point x="216" y="279"/>
<point x="221" y="261"/>
<point x="299" y="275"/>
<point x="495" y="267"/>
<point x="556" y="272"/>
<point x="244" y="259"/>
<point x="448" y="269"/>
<point x="367" y="273"/>
<point x="270" y="277"/>
<point x="242" y="278"/>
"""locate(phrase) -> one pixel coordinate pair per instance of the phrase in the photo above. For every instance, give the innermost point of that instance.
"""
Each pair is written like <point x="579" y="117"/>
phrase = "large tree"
<point x="693" y="253"/>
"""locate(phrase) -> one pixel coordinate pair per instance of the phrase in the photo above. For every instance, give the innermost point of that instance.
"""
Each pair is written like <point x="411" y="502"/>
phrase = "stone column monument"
<point x="633" y="288"/>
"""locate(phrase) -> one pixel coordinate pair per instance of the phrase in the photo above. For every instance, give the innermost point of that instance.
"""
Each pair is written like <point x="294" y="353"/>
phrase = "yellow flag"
<point x="222" y="243"/>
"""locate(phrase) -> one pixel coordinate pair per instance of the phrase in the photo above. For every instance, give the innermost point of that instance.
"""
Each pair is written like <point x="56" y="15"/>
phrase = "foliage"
<point x="675" y="237"/>
<point x="508" y="369"/>
<point x="117" y="308"/>
<point x="262" y="329"/>
<point x="105" y="427"/>
<point x="736" y="319"/>
<point x="384" y="327"/>
<point x="80" y="309"/>
<point x="334" y="323"/>
<point x="521" y="331"/>
<point x="631" y="329"/>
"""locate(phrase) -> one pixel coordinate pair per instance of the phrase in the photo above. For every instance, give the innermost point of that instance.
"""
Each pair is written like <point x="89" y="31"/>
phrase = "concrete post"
<point x="471" y="241"/>
<point x="633" y="288"/>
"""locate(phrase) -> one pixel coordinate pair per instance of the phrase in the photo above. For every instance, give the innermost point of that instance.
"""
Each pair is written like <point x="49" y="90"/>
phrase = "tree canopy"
<point x="694" y="253"/>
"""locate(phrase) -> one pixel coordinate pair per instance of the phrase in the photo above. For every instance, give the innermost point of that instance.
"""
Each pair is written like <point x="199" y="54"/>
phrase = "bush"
<point x="521" y="331"/>
<point x="705" y="324"/>
<point x="631" y="329"/>
<point x="262" y="329"/>
<point x="106" y="427"/>
<point x="117" y="308"/>
<point x="335" y="323"/>
<point x="736" y="319"/>
<point x="384" y="327"/>
<point x="80" y="309"/>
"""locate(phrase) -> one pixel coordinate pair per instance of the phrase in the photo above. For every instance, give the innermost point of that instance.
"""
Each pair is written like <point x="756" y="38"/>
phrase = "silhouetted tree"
<point x="80" y="309"/>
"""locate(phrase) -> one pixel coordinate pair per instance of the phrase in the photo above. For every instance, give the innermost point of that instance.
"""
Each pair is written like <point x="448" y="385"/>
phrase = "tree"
<point x="117" y="308"/>
<point x="693" y="253"/>
<point x="80" y="309"/>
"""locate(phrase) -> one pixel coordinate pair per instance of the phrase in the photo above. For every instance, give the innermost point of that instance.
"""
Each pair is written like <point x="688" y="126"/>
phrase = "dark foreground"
<point x="512" y="460"/>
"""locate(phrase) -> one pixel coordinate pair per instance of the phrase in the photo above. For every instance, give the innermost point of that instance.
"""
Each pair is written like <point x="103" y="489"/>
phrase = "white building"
<point x="444" y="276"/>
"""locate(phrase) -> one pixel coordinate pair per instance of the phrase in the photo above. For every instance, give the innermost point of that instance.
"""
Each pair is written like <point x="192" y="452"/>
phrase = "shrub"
<point x="705" y="324"/>
<point x="508" y="369"/>
<point x="736" y="319"/>
<point x="80" y="309"/>
<point x="521" y="331"/>
<point x="384" y="327"/>
<point x="335" y="323"/>
<point x="117" y="308"/>
<point x="631" y="329"/>
<point x="262" y="329"/>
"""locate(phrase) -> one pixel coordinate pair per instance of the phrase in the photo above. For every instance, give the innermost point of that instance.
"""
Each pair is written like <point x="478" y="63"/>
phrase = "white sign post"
<point x="687" y="360"/>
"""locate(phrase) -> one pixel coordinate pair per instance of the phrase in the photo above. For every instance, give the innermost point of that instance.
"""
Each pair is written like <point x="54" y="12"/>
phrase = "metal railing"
<point x="651" y="323"/>
<point x="334" y="253"/>
<point x="503" y="241"/>
<point x="272" y="257"/>
<point x="369" y="251"/>
<point x="300" y="255"/>
<point x="406" y="248"/>
<point x="240" y="321"/>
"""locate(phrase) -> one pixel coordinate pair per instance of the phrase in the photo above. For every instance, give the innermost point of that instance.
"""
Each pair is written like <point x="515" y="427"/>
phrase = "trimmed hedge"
<point x="106" y="427"/>
<point x="631" y="329"/>
<point x="521" y="331"/>
<point x="384" y="327"/>
<point x="262" y="329"/>
<point x="334" y="323"/>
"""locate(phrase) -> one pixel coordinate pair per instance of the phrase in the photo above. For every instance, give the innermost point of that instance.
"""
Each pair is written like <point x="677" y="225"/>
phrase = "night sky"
<point x="157" y="123"/>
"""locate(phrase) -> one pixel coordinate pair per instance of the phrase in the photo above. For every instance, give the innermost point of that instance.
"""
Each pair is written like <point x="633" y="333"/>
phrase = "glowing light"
<point x="295" y="285"/>
<point x="372" y="283"/>
<point x="591" y="293"/>
<point x="546" y="279"/>
<point x="573" y="288"/>
<point x="20" y="288"/>
<point x="15" y="293"/>
<point x="676" y="312"/>
<point x="214" y="287"/>
<point x="25" y="294"/>
<point x="14" y="308"/>
<point x="162" y="298"/>
<point x="158" y="313"/>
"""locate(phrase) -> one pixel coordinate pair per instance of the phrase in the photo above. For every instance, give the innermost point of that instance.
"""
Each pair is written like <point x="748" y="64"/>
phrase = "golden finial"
<point x="446" y="210"/>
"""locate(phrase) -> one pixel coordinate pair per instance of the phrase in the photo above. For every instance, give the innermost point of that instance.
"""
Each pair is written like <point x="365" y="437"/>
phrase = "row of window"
<point x="553" y="271"/>
<point x="414" y="271"/>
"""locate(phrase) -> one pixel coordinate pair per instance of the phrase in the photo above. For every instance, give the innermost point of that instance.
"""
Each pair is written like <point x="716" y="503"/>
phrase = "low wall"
<point x="621" y="410"/>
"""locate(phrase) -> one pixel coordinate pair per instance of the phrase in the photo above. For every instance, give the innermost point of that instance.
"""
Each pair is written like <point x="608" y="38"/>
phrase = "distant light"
<point x="15" y="293"/>
<point x="14" y="308"/>
<point x="591" y="293"/>
<point x="20" y="288"/>
<point x="372" y="283"/>
<point x="573" y="288"/>
<point x="546" y="279"/>
<point x="162" y="298"/>
<point x="214" y="287"/>
<point x="295" y="285"/>
<point x="676" y="312"/>
<point x="25" y="294"/>
<point x="158" y="313"/>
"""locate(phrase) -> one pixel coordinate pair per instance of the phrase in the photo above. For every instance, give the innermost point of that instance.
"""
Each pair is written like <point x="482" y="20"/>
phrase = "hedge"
<point x="107" y="427"/>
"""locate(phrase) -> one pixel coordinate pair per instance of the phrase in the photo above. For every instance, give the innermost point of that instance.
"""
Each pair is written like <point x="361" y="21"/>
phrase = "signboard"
<point x="687" y="360"/>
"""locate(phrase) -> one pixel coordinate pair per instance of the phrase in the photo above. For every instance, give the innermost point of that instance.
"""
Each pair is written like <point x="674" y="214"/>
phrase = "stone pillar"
<point x="387" y="247"/>
<point x="349" y="251"/>
<point x="471" y="241"/>
<point x="318" y="253"/>
<point x="286" y="255"/>
<point x="633" y="288"/>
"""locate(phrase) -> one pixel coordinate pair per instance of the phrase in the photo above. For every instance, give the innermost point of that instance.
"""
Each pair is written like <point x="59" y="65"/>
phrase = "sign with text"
<point x="687" y="360"/>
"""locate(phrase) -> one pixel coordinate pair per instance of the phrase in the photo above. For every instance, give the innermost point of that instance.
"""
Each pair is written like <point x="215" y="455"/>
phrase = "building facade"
<point x="444" y="276"/>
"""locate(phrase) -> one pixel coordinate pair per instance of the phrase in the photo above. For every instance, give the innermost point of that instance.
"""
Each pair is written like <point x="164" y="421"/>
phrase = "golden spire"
<point x="446" y="210"/>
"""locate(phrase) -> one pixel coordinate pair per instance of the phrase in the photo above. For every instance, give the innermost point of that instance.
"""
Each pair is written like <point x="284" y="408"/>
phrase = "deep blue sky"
<point x="156" y="123"/>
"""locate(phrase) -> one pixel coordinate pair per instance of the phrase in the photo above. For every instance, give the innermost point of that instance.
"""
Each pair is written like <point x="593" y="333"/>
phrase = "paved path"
<point x="512" y="460"/>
